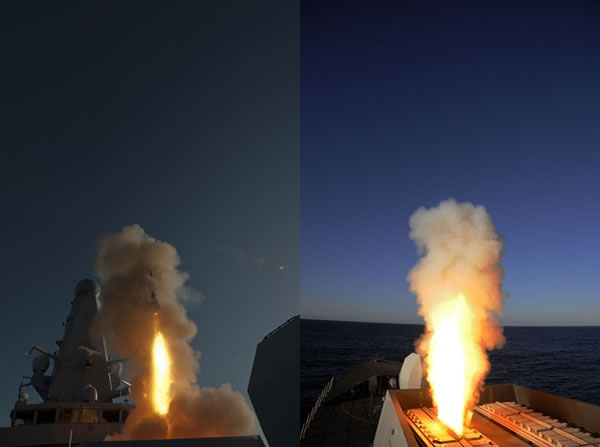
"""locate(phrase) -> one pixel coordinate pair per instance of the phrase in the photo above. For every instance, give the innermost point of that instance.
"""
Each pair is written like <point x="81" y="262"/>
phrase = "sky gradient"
<point x="407" y="104"/>
<point x="183" y="120"/>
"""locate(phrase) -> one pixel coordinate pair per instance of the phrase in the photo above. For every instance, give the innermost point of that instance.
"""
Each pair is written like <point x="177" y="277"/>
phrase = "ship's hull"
<point x="56" y="434"/>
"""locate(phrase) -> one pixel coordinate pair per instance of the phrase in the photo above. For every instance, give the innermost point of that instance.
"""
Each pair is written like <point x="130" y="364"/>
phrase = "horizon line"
<point x="313" y="318"/>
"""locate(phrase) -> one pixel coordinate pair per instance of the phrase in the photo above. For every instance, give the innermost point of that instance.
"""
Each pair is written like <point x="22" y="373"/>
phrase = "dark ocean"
<point x="560" y="360"/>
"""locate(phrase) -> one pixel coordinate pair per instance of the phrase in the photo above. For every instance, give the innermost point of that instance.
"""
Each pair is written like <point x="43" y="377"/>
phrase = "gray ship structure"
<point x="381" y="403"/>
<point x="80" y="398"/>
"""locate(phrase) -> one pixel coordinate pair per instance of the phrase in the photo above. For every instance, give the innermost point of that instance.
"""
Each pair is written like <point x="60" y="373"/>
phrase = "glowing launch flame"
<point x="161" y="374"/>
<point x="458" y="284"/>
<point x="454" y="361"/>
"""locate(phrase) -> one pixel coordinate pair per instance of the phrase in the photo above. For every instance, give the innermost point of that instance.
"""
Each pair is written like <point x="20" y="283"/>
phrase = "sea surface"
<point x="559" y="360"/>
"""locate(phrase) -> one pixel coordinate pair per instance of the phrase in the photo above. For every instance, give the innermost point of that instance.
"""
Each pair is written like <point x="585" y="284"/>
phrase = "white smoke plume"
<point x="132" y="266"/>
<point x="460" y="254"/>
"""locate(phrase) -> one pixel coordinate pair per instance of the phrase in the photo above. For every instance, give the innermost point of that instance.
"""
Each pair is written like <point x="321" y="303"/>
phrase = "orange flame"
<point x="454" y="361"/>
<point x="161" y="374"/>
<point x="458" y="283"/>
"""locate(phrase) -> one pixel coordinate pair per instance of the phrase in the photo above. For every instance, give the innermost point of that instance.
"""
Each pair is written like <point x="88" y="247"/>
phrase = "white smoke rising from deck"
<point x="458" y="284"/>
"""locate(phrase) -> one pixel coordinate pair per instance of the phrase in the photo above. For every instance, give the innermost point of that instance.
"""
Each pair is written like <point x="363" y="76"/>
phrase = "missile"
<point x="153" y="301"/>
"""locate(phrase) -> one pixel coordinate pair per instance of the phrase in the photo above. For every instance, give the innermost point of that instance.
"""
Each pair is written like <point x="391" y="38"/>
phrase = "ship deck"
<point x="347" y="422"/>
<point x="350" y="423"/>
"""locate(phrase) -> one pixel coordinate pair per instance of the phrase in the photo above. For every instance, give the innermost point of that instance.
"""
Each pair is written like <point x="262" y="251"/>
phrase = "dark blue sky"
<point x="183" y="119"/>
<point x="404" y="104"/>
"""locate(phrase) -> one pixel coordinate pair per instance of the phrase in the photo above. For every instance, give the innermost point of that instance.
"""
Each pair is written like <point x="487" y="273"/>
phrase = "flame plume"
<point x="161" y="374"/>
<point x="458" y="286"/>
<point x="162" y="366"/>
<point x="453" y="363"/>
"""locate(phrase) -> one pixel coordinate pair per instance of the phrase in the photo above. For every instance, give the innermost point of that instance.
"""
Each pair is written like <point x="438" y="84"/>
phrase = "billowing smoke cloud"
<point x="133" y="266"/>
<point x="460" y="255"/>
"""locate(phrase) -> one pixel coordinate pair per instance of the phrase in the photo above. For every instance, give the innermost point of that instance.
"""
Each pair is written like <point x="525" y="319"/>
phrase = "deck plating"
<point x="537" y="428"/>
<point x="534" y="427"/>
<point x="433" y="433"/>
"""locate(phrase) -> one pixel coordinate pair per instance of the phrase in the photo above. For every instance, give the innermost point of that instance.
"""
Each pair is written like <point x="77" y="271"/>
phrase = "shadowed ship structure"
<point x="386" y="404"/>
<point x="275" y="370"/>
<point x="78" y="404"/>
<point x="78" y="396"/>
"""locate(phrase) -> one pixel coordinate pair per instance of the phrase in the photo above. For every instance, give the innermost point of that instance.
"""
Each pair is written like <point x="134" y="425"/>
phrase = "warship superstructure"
<point x="80" y="402"/>
<point x="381" y="403"/>
<point x="78" y="396"/>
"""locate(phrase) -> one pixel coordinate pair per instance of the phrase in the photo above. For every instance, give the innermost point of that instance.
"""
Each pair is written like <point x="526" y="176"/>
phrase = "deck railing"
<point x="315" y="407"/>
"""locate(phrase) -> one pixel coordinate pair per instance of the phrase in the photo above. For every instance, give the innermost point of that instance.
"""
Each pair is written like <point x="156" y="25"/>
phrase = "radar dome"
<point x="40" y="364"/>
<point x="23" y="396"/>
<point x="87" y="287"/>
<point x="90" y="394"/>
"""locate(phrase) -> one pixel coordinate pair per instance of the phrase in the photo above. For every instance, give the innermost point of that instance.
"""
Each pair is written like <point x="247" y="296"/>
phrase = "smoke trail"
<point x="460" y="257"/>
<point x="133" y="266"/>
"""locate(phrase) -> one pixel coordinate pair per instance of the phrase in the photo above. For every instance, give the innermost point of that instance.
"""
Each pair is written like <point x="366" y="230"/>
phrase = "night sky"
<point x="183" y="119"/>
<point x="405" y="104"/>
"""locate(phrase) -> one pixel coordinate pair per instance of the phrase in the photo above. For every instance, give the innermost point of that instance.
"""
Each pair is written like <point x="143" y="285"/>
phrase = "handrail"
<point x="315" y="407"/>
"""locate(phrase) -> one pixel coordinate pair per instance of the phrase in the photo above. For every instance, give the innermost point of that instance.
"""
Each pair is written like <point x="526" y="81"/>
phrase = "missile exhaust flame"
<point x="451" y="344"/>
<point x="161" y="375"/>
<point x="458" y="286"/>
<point x="155" y="338"/>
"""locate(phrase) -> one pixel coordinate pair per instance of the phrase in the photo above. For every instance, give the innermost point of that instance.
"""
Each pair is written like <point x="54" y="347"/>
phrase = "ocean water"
<point x="559" y="360"/>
